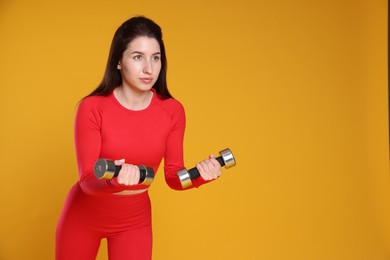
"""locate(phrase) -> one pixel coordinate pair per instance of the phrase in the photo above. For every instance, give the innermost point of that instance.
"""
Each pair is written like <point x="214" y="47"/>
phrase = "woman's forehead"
<point x="144" y="44"/>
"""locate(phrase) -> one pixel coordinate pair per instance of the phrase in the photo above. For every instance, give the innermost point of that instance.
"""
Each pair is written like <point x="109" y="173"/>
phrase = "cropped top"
<point x="106" y="129"/>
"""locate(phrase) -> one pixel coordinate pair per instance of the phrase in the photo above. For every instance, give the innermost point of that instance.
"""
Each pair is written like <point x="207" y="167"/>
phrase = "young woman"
<point x="131" y="118"/>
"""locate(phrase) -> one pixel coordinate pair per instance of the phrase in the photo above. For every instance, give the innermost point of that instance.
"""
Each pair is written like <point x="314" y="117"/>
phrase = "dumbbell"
<point x="106" y="169"/>
<point x="226" y="159"/>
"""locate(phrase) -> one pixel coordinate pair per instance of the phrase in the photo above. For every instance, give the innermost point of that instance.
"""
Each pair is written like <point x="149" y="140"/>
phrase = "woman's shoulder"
<point x="171" y="105"/>
<point x="95" y="99"/>
<point x="94" y="102"/>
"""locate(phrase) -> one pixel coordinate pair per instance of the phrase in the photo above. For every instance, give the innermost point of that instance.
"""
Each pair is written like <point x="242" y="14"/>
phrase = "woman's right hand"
<point x="129" y="175"/>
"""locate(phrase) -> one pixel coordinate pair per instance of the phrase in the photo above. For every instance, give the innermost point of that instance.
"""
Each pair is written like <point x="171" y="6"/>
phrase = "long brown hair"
<point x="128" y="31"/>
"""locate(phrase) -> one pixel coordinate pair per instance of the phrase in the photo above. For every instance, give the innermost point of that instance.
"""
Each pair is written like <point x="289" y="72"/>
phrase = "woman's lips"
<point x="146" y="80"/>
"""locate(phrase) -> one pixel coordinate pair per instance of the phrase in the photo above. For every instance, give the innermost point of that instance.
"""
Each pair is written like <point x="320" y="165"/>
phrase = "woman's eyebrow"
<point x="140" y="52"/>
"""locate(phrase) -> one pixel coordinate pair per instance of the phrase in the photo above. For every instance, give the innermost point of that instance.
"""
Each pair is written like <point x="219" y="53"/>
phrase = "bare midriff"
<point x="130" y="192"/>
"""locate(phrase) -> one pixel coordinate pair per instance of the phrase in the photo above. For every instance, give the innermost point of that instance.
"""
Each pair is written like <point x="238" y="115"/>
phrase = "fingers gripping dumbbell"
<point x="226" y="159"/>
<point x="106" y="169"/>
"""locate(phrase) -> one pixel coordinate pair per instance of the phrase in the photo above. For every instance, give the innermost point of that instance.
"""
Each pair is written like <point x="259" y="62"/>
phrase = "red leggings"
<point x="124" y="220"/>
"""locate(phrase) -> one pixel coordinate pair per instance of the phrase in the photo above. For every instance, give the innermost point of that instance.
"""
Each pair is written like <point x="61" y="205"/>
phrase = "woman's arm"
<point x="88" y="145"/>
<point x="173" y="159"/>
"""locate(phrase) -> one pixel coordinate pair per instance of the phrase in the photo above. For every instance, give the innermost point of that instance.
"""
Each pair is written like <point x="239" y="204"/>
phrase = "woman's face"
<point x="140" y="64"/>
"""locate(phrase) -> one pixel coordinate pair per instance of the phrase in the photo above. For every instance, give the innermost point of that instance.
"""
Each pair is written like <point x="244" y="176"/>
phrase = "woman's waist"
<point x="130" y="192"/>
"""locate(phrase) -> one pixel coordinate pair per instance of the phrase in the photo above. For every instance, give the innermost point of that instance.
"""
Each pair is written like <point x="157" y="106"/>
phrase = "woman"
<point x="131" y="118"/>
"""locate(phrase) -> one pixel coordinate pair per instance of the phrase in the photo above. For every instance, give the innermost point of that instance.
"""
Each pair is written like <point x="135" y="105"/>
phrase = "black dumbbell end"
<point x="227" y="158"/>
<point x="106" y="169"/>
<point x="185" y="178"/>
<point x="146" y="176"/>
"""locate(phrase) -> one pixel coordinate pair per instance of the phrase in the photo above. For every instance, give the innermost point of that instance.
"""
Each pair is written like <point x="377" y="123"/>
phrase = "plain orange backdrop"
<point x="297" y="90"/>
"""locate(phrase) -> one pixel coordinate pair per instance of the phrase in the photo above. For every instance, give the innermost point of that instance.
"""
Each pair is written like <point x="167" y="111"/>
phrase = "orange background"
<point x="296" y="89"/>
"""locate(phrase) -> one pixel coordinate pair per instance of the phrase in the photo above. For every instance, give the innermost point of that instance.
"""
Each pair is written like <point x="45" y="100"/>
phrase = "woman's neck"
<point x="134" y="100"/>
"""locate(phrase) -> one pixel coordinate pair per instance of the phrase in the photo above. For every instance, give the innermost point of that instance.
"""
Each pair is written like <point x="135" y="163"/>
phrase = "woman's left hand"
<point x="209" y="169"/>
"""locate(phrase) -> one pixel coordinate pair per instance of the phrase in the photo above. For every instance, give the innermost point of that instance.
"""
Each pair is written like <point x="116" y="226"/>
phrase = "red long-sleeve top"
<point x="106" y="129"/>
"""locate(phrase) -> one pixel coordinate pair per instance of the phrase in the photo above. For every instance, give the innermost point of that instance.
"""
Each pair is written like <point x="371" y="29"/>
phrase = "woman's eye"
<point x="156" y="58"/>
<point x="137" y="57"/>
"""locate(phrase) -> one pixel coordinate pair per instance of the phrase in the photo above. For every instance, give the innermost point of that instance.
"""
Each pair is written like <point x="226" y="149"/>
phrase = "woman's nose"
<point x="148" y="68"/>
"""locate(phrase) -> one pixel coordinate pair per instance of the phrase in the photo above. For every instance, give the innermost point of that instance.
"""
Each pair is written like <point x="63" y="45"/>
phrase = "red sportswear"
<point x="106" y="129"/>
